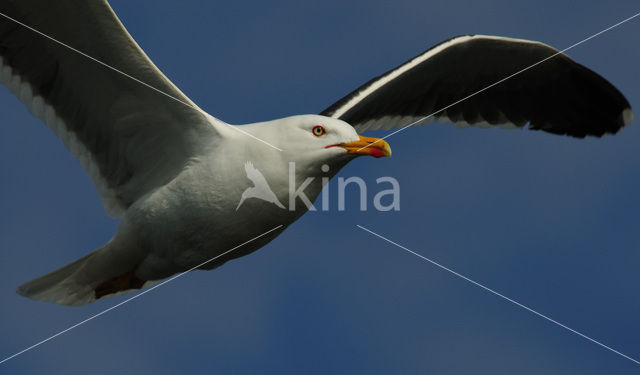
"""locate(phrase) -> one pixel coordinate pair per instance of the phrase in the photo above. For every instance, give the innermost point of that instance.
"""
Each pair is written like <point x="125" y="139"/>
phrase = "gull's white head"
<point x="302" y="151"/>
<point x="318" y="139"/>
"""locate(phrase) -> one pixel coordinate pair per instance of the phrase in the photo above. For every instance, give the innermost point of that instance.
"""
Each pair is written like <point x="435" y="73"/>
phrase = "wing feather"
<point x="74" y="66"/>
<point x="455" y="81"/>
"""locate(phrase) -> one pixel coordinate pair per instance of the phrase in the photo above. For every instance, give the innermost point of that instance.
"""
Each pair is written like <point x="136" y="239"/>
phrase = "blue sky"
<point x="548" y="221"/>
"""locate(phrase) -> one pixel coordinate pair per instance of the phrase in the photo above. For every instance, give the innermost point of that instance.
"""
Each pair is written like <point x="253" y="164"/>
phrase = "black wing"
<point x="455" y="81"/>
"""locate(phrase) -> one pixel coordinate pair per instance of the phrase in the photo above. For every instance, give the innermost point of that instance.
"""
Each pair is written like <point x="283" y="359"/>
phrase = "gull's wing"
<point x="130" y="137"/>
<point x="558" y="95"/>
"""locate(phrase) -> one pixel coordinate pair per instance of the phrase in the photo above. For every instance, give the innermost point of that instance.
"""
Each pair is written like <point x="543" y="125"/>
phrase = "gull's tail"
<point x="100" y="273"/>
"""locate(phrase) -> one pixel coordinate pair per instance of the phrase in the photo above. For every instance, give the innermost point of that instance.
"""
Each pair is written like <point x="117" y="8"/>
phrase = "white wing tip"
<point x="627" y="116"/>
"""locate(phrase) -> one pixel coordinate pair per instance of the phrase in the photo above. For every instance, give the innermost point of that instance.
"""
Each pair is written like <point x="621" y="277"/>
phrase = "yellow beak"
<point x="375" y="147"/>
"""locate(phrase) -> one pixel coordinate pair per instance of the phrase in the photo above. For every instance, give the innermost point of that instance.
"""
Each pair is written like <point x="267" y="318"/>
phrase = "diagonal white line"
<point x="130" y="77"/>
<point x="504" y="79"/>
<point x="136" y="296"/>
<point x="499" y="294"/>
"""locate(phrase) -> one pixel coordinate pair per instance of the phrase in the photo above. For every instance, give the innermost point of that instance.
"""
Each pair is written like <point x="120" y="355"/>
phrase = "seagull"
<point x="176" y="176"/>
<point x="260" y="190"/>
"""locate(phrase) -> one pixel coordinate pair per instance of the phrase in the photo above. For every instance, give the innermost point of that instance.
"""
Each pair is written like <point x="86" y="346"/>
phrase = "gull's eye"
<point x="318" y="131"/>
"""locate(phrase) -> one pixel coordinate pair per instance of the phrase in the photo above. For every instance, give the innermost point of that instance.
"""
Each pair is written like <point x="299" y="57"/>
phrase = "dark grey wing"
<point x="558" y="95"/>
<point x="130" y="138"/>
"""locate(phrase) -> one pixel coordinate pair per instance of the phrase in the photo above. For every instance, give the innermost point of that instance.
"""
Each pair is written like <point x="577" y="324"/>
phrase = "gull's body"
<point x="190" y="219"/>
<point x="176" y="175"/>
